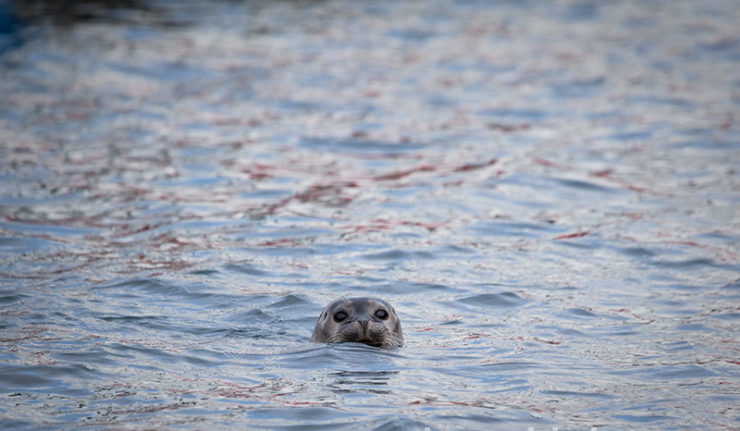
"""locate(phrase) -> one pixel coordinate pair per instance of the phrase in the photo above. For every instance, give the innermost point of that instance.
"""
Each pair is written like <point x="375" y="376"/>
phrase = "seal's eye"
<point x="339" y="316"/>
<point x="381" y="314"/>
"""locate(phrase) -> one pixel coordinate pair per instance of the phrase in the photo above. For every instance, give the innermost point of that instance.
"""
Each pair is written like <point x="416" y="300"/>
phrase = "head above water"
<point x="371" y="321"/>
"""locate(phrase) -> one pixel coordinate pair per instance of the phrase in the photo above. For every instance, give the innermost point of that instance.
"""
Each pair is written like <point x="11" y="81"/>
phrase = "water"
<point x="546" y="191"/>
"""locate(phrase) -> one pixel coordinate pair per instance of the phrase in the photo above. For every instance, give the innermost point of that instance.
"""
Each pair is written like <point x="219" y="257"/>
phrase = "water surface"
<point x="546" y="191"/>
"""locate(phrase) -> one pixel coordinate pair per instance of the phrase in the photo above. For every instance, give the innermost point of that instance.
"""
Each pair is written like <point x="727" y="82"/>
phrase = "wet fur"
<point x="361" y="324"/>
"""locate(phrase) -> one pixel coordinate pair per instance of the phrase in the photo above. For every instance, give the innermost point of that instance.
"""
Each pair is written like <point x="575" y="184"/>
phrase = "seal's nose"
<point x="363" y="324"/>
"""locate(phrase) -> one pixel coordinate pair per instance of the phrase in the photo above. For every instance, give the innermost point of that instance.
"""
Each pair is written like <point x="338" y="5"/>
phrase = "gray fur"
<point x="361" y="325"/>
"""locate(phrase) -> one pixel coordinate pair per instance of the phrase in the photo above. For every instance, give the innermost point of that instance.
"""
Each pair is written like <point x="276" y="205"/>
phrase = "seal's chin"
<point x="355" y="338"/>
<point x="369" y="342"/>
<point x="375" y="338"/>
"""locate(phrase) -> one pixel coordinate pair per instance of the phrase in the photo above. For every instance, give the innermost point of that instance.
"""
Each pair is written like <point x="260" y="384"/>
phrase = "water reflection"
<point x="363" y="381"/>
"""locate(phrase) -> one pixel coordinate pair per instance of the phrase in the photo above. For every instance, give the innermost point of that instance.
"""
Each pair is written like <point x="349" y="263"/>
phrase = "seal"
<point x="371" y="321"/>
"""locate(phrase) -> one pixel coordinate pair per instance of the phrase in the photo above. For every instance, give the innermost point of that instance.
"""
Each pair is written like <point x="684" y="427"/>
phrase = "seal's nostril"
<point x="363" y="325"/>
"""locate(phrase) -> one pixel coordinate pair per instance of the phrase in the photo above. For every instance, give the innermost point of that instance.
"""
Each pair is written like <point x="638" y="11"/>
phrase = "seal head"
<point x="371" y="321"/>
